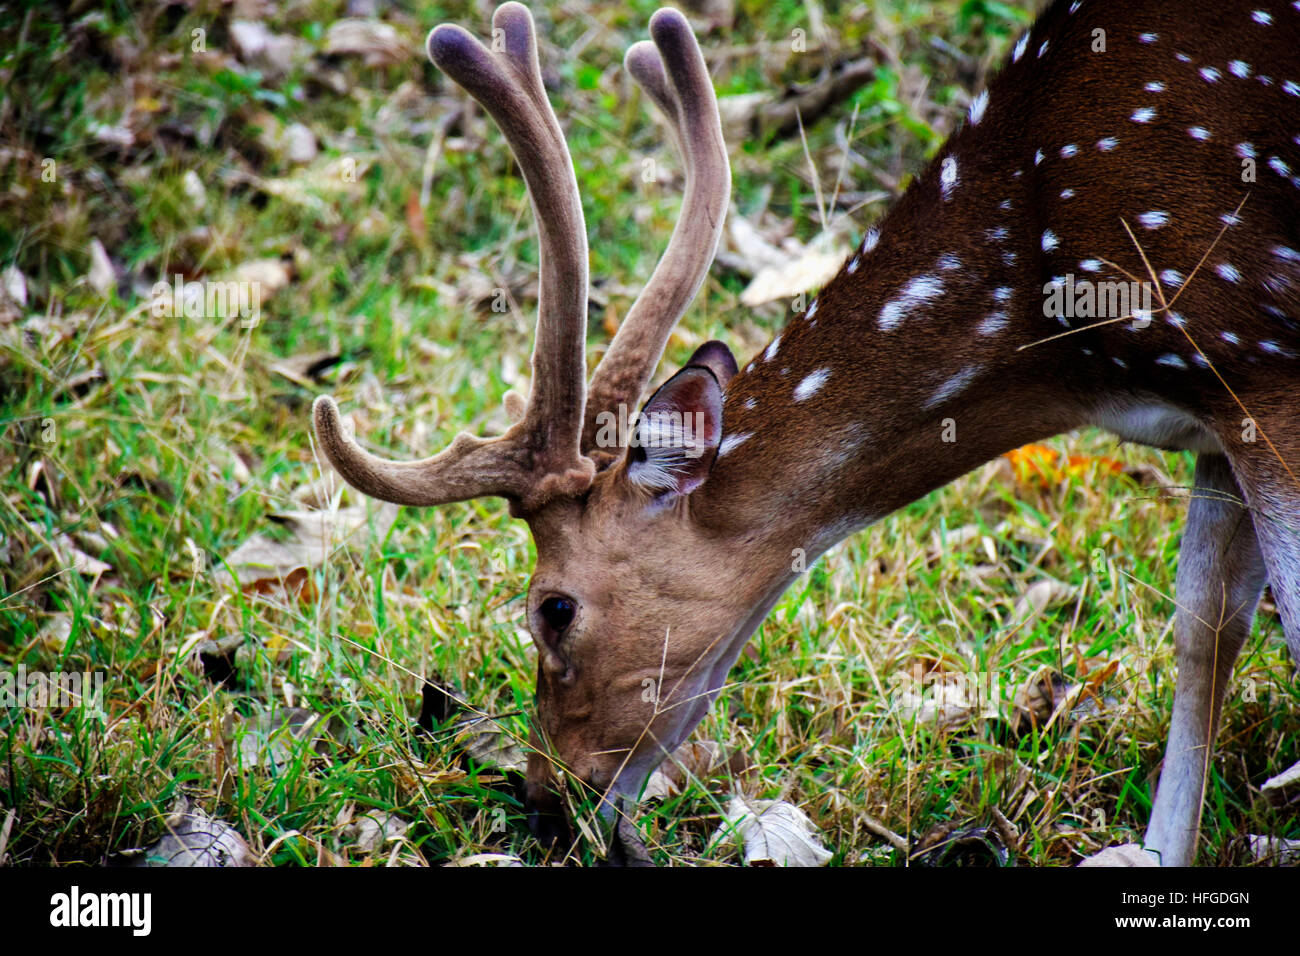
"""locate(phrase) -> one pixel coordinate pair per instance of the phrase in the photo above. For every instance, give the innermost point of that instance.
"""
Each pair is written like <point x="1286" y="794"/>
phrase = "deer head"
<point x="629" y="650"/>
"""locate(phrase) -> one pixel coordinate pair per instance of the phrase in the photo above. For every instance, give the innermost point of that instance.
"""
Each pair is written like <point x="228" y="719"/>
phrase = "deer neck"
<point x="904" y="373"/>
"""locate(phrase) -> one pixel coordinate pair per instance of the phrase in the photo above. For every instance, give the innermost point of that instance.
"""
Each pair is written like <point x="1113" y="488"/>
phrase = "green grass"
<point x="159" y="445"/>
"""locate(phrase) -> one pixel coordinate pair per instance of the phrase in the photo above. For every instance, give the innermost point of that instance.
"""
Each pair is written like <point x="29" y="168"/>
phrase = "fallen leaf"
<point x="313" y="538"/>
<point x="102" y="277"/>
<point x="1284" y="785"/>
<point x="1277" y="851"/>
<point x="489" y="745"/>
<point x="1042" y="596"/>
<point x="691" y="759"/>
<point x="950" y="844"/>
<point x="774" y="833"/>
<point x="195" y="839"/>
<point x="487" y="859"/>
<point x="1045" y="467"/>
<point x="378" y="43"/>
<point x="1129" y="854"/>
<point x="373" y="829"/>
<point x="1036" y="700"/>
<point x="816" y="265"/>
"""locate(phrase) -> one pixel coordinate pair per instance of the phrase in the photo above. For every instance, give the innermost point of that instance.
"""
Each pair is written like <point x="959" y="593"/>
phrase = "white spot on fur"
<point x="1239" y="69"/>
<point x="1198" y="132"/>
<point x="1069" y="150"/>
<point x="1246" y="150"/>
<point x="1148" y="37"/>
<point x="1170" y="360"/>
<point x="772" y="349"/>
<point x="1172" y="277"/>
<point x="1230" y="337"/>
<point x="1143" y="114"/>
<point x="1209" y="74"/>
<point x="948" y="177"/>
<point x="978" y="106"/>
<point x="1090" y="265"/>
<point x="1154" y="219"/>
<point x="948" y="263"/>
<point x="1107" y="143"/>
<point x="1042" y="49"/>
<point x="1067" y="193"/>
<point x="1050" y="241"/>
<point x="1279" y="166"/>
<point x="1019" y="51"/>
<point x="871" y="239"/>
<point x="1003" y="294"/>
<point x="1230" y="219"/>
<point x="1228" y="272"/>
<point x="1262" y="17"/>
<point x="811" y="385"/>
<point x="731" y="442"/>
<point x="1038" y="157"/>
<point x="853" y="265"/>
<point x="918" y="291"/>
<point x="997" y="234"/>
<point x="751" y="404"/>
<point x="953" y="386"/>
<point x="1155" y="86"/>
<point x="993" y="323"/>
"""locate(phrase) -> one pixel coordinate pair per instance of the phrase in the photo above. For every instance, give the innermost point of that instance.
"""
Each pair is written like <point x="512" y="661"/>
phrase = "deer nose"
<point x="546" y="819"/>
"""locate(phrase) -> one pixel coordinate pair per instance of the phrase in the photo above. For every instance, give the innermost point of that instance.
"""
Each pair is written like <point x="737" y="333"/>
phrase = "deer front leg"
<point x="1220" y="577"/>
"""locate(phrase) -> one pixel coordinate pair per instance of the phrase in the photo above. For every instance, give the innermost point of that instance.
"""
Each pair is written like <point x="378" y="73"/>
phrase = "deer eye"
<point x="557" y="612"/>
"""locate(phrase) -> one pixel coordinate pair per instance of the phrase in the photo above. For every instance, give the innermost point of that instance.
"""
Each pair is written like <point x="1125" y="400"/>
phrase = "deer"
<point x="1112" y="146"/>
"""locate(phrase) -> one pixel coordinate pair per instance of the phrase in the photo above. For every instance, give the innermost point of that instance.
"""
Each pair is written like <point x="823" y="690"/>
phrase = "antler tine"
<point x="539" y="457"/>
<point x="672" y="71"/>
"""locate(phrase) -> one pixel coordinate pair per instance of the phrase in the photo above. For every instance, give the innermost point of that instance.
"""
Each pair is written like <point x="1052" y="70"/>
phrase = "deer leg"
<point x="1220" y="577"/>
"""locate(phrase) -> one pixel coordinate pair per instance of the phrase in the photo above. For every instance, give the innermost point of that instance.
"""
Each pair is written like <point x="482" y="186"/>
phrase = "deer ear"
<point x="717" y="358"/>
<point x="677" y="434"/>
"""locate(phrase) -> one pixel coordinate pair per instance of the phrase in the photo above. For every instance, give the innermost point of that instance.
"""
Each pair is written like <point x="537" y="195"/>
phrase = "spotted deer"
<point x="1121" y="142"/>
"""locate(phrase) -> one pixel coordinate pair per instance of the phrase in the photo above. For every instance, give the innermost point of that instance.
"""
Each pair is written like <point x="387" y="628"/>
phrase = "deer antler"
<point x="539" y="457"/>
<point x="672" y="71"/>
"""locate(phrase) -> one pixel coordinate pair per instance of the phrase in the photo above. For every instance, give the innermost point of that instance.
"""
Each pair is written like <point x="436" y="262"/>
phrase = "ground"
<point x="389" y="234"/>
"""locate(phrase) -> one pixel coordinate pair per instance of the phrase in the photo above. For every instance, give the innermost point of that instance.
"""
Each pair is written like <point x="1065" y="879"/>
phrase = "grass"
<point x="159" y="445"/>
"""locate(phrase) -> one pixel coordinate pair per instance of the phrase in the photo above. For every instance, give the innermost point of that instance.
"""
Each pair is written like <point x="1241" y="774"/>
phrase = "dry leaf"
<point x="774" y="833"/>
<point x="373" y="829"/>
<point x="377" y="42"/>
<point x="195" y="839"/>
<point x="1284" y="784"/>
<point x="487" y="859"/>
<point x="799" y="274"/>
<point x="1042" y="596"/>
<point x="70" y="556"/>
<point x="312" y="539"/>
<point x="1130" y="854"/>
<point x="1277" y="851"/>
<point x="102" y="277"/>
<point x="1037" y="699"/>
<point x="490" y="746"/>
<point x="1044" y="467"/>
<point x="943" y="703"/>
<point x="692" y="759"/>
<point x="272" y="53"/>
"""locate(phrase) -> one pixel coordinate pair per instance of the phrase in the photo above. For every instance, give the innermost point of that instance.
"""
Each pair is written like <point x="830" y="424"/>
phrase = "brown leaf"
<point x="195" y="839"/>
